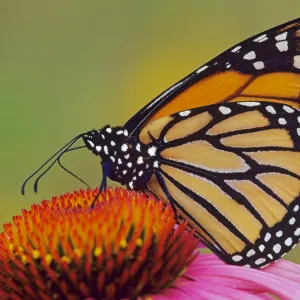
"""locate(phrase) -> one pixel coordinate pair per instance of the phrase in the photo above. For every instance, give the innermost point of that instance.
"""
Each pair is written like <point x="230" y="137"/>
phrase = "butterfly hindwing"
<point x="234" y="172"/>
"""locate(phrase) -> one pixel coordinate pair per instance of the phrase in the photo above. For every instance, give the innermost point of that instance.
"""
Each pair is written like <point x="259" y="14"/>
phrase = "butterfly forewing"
<point x="234" y="172"/>
<point x="265" y="67"/>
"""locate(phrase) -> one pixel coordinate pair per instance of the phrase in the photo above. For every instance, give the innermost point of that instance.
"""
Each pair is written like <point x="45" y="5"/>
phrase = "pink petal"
<point x="285" y="269"/>
<point x="258" y="280"/>
<point x="210" y="278"/>
<point x="204" y="290"/>
<point x="222" y="291"/>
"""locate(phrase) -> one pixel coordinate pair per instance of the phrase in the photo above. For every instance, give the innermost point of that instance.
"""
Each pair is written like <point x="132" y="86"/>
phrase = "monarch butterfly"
<point x="222" y="145"/>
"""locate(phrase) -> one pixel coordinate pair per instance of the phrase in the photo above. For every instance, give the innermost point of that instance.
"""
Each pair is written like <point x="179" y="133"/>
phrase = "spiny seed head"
<point x="123" y="247"/>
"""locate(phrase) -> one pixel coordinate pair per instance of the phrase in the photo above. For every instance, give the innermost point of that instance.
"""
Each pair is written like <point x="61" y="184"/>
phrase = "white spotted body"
<point x="131" y="163"/>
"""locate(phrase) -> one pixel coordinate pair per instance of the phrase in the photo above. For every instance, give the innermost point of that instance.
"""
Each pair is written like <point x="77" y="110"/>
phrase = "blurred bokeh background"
<point x="70" y="66"/>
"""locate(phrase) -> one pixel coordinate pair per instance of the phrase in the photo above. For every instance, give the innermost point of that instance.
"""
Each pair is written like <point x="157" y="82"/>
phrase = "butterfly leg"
<point x="103" y="185"/>
<point x="165" y="189"/>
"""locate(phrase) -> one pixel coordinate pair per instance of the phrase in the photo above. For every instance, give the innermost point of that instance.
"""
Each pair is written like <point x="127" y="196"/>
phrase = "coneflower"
<point x="126" y="247"/>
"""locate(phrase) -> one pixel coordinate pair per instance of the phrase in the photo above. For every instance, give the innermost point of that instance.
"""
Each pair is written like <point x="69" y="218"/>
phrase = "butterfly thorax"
<point x="130" y="162"/>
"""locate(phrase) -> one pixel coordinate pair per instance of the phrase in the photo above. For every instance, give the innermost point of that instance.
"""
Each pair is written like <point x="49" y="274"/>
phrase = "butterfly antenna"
<point x="70" y="172"/>
<point x="35" y="186"/>
<point x="69" y="144"/>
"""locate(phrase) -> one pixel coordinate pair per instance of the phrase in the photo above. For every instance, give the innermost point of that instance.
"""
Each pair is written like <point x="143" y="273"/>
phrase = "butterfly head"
<point x="106" y="142"/>
<point x="128" y="160"/>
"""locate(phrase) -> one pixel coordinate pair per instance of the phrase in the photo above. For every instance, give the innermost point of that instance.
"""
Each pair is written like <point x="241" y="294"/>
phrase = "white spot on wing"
<point x="277" y="248"/>
<point x="282" y="121"/>
<point x="292" y="221"/>
<point x="185" y="113"/>
<point x="246" y="103"/>
<point x="271" y="109"/>
<point x="250" y="253"/>
<point x="237" y="258"/>
<point x="258" y="65"/>
<point x="260" y="261"/>
<point x="98" y="148"/>
<point x="201" y="69"/>
<point x="288" y="241"/>
<point x="236" y="49"/>
<point x="288" y="109"/>
<point x="281" y="36"/>
<point x="282" y="46"/>
<point x="267" y="237"/>
<point x="261" y="38"/>
<point x="296" y="63"/>
<point x="224" y="110"/>
<point x="250" y="55"/>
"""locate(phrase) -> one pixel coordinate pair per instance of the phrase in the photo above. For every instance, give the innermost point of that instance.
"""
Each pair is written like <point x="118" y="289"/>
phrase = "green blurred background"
<point x="70" y="66"/>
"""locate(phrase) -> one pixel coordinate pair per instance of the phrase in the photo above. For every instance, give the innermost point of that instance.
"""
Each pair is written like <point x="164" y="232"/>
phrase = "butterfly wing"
<point x="234" y="172"/>
<point x="265" y="67"/>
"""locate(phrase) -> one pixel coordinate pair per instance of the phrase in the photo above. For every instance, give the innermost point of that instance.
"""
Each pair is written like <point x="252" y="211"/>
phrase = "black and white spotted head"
<point x="106" y="141"/>
<point x="129" y="161"/>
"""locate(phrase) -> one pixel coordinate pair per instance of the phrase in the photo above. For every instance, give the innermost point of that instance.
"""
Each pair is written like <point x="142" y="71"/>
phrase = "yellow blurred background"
<point x="70" y="66"/>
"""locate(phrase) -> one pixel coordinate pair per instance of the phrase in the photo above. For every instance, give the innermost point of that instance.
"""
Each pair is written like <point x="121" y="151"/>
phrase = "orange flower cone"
<point x="63" y="249"/>
<point x="126" y="247"/>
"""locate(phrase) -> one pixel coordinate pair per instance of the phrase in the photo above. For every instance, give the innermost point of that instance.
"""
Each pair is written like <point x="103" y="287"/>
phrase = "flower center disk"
<point x="124" y="247"/>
